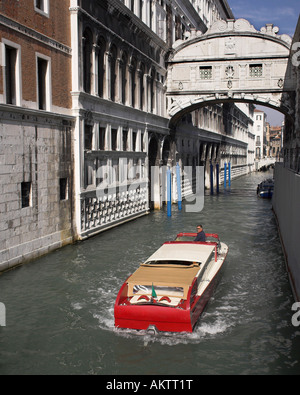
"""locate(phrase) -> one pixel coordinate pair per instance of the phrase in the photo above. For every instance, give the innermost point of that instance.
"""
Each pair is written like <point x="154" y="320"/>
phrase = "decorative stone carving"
<point x="280" y="83"/>
<point x="242" y="25"/>
<point x="230" y="46"/>
<point x="229" y="71"/>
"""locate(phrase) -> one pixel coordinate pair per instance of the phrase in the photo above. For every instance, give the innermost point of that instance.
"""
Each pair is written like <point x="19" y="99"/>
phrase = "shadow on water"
<point x="60" y="316"/>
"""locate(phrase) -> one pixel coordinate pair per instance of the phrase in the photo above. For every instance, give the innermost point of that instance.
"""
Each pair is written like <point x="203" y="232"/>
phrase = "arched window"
<point x="152" y="84"/>
<point x="123" y="77"/>
<point x="141" y="83"/>
<point x="87" y="46"/>
<point x="133" y="66"/>
<point x="112" y="67"/>
<point x="101" y="68"/>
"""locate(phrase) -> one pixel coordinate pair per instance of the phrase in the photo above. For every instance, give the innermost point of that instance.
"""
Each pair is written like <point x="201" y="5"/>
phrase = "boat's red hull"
<point x="164" y="318"/>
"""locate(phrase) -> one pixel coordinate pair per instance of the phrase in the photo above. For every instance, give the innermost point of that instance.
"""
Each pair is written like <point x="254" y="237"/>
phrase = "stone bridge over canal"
<point x="231" y="62"/>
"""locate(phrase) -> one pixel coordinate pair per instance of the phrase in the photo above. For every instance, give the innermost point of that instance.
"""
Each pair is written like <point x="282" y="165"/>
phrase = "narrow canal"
<point x="59" y="309"/>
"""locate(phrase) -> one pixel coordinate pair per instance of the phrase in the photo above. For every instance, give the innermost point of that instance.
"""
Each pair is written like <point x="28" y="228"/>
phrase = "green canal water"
<point x="59" y="308"/>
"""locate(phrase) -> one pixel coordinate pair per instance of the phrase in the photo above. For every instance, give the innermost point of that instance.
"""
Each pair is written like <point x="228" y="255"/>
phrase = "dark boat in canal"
<point x="265" y="189"/>
<point x="169" y="291"/>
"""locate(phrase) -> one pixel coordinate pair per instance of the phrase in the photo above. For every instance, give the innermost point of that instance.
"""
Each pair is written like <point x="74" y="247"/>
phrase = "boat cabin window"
<point x="171" y="262"/>
<point x="160" y="290"/>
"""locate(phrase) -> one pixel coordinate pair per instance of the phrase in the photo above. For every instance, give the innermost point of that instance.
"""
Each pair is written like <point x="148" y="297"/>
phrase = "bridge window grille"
<point x="205" y="72"/>
<point x="256" y="70"/>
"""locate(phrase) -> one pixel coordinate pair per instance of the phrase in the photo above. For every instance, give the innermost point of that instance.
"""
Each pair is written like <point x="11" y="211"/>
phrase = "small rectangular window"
<point x="101" y="138"/>
<point x="26" y="194"/>
<point x="134" y="138"/>
<point x="10" y="74"/>
<point x="63" y="188"/>
<point x="255" y="70"/>
<point x="205" y="72"/>
<point x="88" y="137"/>
<point x="42" y="67"/>
<point x="125" y="139"/>
<point x="114" y="139"/>
<point x="42" y="6"/>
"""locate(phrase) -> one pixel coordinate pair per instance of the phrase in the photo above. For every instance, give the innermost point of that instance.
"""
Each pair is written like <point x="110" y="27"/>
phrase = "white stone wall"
<point x="35" y="149"/>
<point x="286" y="202"/>
<point x="286" y="205"/>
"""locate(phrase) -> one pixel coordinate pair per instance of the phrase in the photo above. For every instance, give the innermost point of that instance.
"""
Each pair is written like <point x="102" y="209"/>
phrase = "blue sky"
<point x="283" y="14"/>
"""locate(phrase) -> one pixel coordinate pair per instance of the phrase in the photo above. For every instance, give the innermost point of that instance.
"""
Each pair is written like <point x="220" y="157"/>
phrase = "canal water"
<point x="59" y="309"/>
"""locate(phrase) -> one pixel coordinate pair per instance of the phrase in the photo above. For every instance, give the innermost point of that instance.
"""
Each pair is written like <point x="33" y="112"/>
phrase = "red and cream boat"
<point x="169" y="291"/>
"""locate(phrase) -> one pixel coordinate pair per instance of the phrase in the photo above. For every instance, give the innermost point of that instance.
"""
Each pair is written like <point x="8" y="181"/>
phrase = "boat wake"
<point x="212" y="324"/>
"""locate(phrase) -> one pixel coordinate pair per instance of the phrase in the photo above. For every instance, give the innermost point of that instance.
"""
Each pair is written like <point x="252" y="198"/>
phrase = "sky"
<point x="283" y="14"/>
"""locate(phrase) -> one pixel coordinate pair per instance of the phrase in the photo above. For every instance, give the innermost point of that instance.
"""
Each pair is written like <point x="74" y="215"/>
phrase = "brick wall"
<point x="21" y="24"/>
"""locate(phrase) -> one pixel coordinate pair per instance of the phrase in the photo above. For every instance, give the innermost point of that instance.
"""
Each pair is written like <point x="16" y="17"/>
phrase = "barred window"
<point x="205" y="72"/>
<point x="255" y="70"/>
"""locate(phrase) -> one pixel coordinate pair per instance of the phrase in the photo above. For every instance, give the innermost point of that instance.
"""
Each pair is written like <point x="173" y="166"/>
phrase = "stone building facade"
<point x="286" y="202"/>
<point x="36" y="129"/>
<point x="122" y="133"/>
<point x="85" y="131"/>
<point x="260" y="134"/>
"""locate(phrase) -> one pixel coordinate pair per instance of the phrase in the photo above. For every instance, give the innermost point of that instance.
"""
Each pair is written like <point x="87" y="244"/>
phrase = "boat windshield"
<point x="171" y="262"/>
<point x="160" y="290"/>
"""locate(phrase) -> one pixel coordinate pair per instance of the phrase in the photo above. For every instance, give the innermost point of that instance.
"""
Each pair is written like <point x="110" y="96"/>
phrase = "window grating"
<point x="205" y="72"/>
<point x="256" y="70"/>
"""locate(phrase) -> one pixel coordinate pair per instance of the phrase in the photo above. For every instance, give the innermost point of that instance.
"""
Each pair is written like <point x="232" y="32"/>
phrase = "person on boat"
<point x="200" y="234"/>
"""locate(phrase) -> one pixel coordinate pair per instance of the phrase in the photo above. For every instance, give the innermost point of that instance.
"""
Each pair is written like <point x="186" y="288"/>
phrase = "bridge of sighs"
<point x="231" y="63"/>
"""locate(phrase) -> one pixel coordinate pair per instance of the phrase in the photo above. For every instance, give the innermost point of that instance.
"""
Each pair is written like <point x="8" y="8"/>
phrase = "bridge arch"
<point x="231" y="62"/>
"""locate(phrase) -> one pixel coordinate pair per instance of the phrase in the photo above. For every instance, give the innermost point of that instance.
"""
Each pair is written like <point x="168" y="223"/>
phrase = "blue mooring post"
<point x="178" y="187"/>
<point x="211" y="179"/>
<point x="217" y="176"/>
<point x="169" y="193"/>
<point x="229" y="174"/>
<point x="225" y="174"/>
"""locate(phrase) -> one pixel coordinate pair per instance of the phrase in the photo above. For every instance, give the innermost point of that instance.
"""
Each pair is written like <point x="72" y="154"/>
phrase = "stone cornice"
<point x="25" y="115"/>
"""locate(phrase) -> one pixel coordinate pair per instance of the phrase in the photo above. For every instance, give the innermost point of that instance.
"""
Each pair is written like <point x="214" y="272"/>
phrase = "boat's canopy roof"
<point x="172" y="265"/>
<point x="185" y="252"/>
